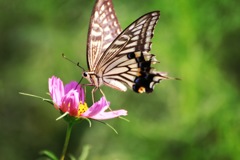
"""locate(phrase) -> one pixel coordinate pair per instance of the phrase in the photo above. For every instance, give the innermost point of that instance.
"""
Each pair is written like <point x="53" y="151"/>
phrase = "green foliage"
<point x="48" y="155"/>
<point x="195" y="118"/>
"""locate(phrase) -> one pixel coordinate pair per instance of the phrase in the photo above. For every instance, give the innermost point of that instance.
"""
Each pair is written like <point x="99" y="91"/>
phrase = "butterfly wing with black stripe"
<point x="103" y="29"/>
<point x="127" y="60"/>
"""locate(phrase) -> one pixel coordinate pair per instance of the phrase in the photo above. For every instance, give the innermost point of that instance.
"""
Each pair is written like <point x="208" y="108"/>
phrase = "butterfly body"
<point x="121" y="59"/>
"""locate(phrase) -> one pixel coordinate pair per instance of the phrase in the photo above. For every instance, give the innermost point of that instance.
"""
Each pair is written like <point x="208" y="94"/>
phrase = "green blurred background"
<point x="195" y="118"/>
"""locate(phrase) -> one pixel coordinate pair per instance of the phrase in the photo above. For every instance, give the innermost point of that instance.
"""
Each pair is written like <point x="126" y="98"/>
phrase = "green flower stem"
<point x="68" y="134"/>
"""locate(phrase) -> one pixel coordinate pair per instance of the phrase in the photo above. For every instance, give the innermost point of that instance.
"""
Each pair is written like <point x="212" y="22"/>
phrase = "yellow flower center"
<point x="82" y="108"/>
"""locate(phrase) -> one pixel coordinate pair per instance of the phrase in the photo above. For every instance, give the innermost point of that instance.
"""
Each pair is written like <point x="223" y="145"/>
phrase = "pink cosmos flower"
<point x="71" y="98"/>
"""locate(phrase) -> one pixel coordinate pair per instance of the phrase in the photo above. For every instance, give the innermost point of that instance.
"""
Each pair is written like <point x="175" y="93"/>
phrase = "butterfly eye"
<point x="85" y="74"/>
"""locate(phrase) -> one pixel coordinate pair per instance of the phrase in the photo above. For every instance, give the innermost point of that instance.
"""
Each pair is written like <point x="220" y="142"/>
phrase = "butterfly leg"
<point x="93" y="92"/>
<point x="102" y="93"/>
<point x="105" y="98"/>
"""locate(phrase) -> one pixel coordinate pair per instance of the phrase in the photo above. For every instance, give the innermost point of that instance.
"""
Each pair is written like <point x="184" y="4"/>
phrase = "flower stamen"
<point x="82" y="108"/>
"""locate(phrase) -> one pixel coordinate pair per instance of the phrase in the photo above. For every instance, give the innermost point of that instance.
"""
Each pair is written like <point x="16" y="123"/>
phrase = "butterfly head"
<point x="92" y="78"/>
<point x="86" y="75"/>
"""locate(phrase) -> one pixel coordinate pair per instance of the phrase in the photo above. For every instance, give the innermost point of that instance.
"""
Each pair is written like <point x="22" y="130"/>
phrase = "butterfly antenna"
<point x="77" y="64"/>
<point x="80" y="66"/>
<point x="79" y="82"/>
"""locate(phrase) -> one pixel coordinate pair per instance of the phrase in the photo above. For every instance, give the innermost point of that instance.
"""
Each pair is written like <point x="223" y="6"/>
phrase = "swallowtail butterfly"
<point x="119" y="59"/>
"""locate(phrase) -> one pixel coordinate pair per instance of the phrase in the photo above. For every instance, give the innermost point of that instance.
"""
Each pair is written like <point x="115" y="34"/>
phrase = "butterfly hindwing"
<point x="134" y="70"/>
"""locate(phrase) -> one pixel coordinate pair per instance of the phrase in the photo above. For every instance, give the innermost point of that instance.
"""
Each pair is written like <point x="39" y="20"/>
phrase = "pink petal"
<point x="81" y="94"/>
<point x="56" y="90"/>
<point x="74" y="85"/>
<point x="64" y="106"/>
<point x="97" y="111"/>
<point x="70" y="103"/>
<point x="73" y="110"/>
<point x="109" y="115"/>
<point x="96" y="108"/>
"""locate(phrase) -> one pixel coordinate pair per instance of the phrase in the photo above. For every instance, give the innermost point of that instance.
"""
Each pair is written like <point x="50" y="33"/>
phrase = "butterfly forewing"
<point x="103" y="29"/>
